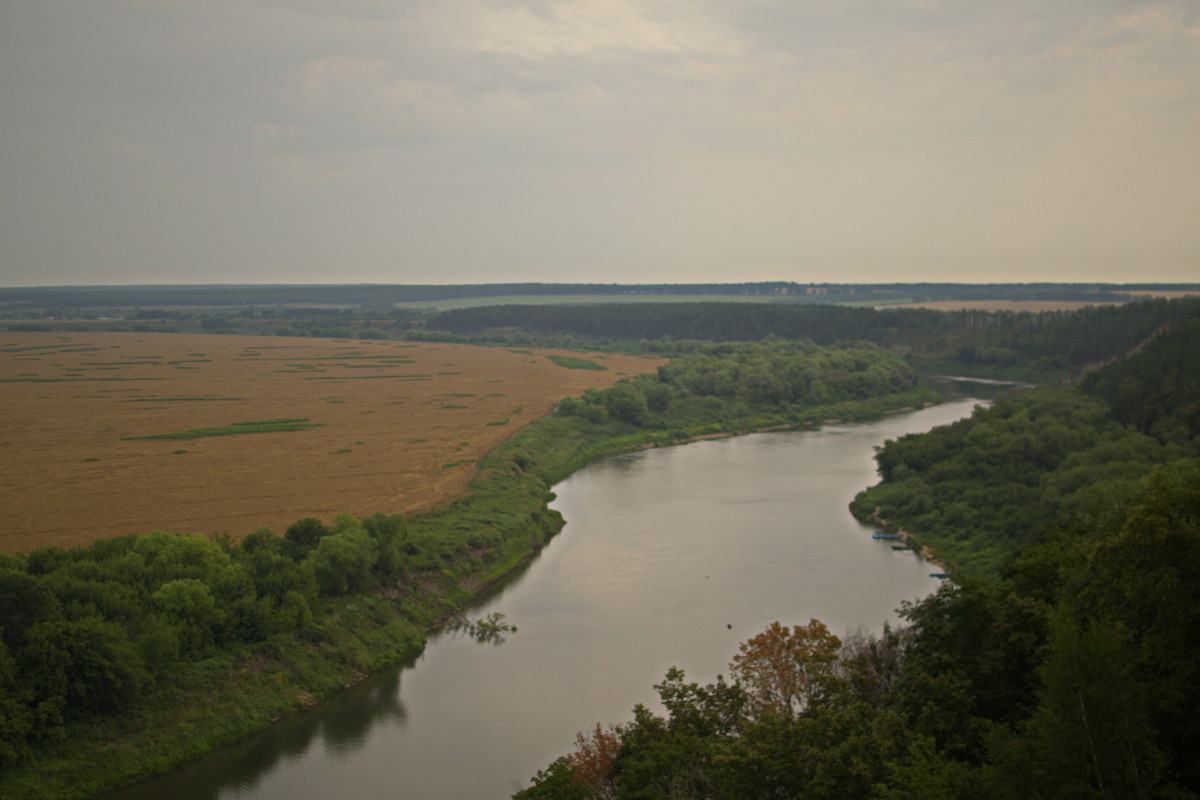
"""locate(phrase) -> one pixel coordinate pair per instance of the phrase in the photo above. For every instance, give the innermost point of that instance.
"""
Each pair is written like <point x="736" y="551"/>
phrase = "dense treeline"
<point x="975" y="490"/>
<point x="87" y="631"/>
<point x="367" y="295"/>
<point x="378" y="294"/>
<point x="1068" y="670"/>
<point x="1047" y="340"/>
<point x="979" y="488"/>
<point x="747" y="380"/>
<point x="1073" y="676"/>
<point x="1159" y="391"/>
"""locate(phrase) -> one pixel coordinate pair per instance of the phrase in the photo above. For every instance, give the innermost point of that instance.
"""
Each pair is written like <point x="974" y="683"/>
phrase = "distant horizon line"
<point x="660" y="284"/>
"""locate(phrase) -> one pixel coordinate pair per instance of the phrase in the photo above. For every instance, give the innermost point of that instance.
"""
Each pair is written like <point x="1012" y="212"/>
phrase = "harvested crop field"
<point x="253" y="431"/>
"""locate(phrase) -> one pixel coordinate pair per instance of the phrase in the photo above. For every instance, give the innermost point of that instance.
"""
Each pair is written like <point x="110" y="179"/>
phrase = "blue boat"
<point x="939" y="574"/>
<point x="886" y="536"/>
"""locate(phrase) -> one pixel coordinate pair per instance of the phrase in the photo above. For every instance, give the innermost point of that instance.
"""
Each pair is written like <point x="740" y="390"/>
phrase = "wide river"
<point x="670" y="557"/>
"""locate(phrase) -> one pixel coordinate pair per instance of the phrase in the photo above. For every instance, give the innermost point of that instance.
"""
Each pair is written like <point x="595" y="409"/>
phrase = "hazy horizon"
<point x="248" y="284"/>
<point x="605" y="141"/>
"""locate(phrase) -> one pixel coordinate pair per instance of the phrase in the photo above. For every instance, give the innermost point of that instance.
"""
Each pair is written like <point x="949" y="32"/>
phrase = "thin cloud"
<point x="600" y="140"/>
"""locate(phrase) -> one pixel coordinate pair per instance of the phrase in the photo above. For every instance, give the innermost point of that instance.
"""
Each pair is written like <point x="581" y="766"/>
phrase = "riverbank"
<point x="923" y="550"/>
<point x="470" y="544"/>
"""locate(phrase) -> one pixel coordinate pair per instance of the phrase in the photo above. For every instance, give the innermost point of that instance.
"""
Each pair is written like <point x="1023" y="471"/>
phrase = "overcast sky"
<point x="461" y="141"/>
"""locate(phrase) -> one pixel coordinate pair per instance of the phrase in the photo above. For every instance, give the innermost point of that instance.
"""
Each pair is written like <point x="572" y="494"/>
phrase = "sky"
<point x="598" y="141"/>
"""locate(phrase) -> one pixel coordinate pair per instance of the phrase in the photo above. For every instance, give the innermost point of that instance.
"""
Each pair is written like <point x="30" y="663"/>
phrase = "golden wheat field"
<point x="342" y="426"/>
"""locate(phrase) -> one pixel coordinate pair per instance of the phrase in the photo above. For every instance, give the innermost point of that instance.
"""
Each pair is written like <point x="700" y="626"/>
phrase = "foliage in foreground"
<point x="1073" y="676"/>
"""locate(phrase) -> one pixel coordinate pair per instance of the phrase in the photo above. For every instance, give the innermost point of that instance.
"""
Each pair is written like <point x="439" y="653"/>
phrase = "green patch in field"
<point x="32" y="347"/>
<point x="254" y="426"/>
<point x="153" y="399"/>
<point x="453" y="464"/>
<point x="66" y="380"/>
<point x="571" y="362"/>
<point x="352" y="357"/>
<point x="367" y="377"/>
<point x="498" y="422"/>
<point x="450" y="405"/>
<point x="522" y="352"/>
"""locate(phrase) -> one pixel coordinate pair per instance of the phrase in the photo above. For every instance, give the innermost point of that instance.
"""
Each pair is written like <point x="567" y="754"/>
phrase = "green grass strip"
<point x="575" y="363"/>
<point x="174" y="399"/>
<point x="363" y="377"/>
<point x="255" y="426"/>
<point x="71" y="380"/>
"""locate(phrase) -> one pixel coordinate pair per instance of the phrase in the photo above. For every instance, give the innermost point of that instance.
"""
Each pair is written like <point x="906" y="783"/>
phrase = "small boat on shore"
<point x="939" y="574"/>
<point x="885" y="536"/>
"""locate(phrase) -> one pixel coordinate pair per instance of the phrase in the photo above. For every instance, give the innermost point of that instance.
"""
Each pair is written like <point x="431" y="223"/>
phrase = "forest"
<point x="1033" y="343"/>
<point x="1059" y="660"/>
<point x="377" y="295"/>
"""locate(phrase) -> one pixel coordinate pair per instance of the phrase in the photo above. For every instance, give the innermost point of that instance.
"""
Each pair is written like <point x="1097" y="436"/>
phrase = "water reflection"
<point x="339" y="727"/>
<point x="484" y="630"/>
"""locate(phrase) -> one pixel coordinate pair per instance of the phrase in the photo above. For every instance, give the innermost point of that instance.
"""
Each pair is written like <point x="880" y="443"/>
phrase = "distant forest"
<point x="376" y="295"/>
<point x="1036" y="346"/>
<point x="1048" y="341"/>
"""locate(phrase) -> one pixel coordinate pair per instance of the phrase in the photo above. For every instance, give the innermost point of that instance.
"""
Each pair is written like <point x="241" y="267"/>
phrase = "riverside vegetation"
<point x="1060" y="660"/>
<point x="126" y="657"/>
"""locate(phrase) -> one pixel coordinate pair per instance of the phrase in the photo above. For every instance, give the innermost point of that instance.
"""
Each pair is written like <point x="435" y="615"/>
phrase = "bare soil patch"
<point x="398" y="427"/>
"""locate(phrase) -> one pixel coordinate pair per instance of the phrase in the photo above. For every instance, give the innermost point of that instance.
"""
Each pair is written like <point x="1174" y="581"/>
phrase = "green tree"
<point x="342" y="562"/>
<point x="81" y="669"/>
<point x="190" y="607"/>
<point x="16" y="718"/>
<point x="302" y="536"/>
<point x="26" y="603"/>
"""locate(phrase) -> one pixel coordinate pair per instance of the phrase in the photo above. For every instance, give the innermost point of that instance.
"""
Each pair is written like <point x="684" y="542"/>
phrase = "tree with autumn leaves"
<point x="792" y="721"/>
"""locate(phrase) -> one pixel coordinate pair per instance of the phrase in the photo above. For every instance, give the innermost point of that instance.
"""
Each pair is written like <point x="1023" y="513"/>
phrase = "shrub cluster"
<point x="87" y="631"/>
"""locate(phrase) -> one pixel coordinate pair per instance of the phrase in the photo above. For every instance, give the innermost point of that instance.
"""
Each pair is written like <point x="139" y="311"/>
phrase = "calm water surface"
<point x="670" y="557"/>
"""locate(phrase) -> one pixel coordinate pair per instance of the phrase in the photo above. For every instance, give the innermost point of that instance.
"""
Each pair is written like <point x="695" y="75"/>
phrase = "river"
<point x="670" y="557"/>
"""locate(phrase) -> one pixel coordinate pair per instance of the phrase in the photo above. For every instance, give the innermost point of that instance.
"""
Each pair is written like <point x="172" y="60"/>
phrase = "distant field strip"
<point x="256" y="426"/>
